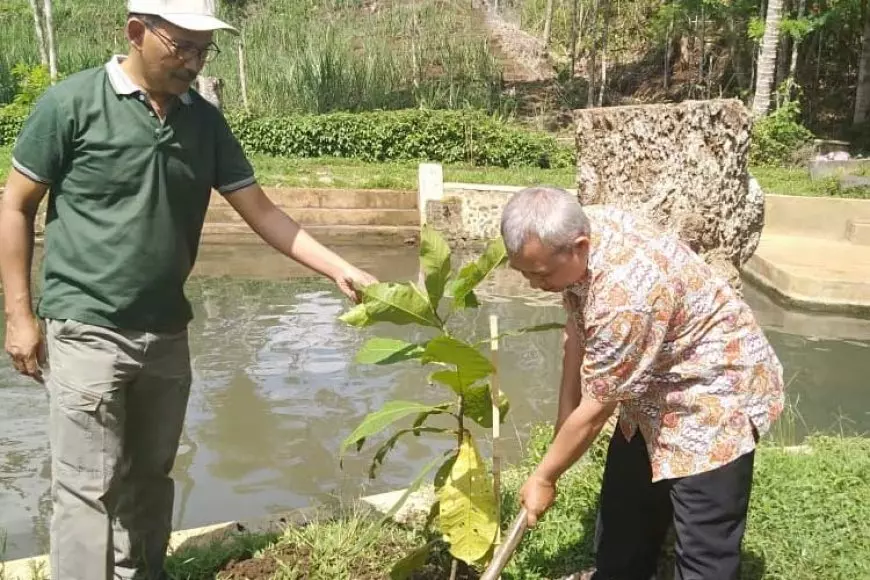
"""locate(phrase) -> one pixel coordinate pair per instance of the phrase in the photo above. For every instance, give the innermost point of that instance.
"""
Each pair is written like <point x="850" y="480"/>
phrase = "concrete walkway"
<point x="815" y="253"/>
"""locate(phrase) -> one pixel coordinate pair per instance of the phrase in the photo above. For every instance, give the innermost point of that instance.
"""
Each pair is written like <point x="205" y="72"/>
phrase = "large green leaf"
<point x="404" y="568"/>
<point x="530" y="329"/>
<point x="470" y="364"/>
<point x="388" y="445"/>
<point x="449" y="378"/>
<point x="477" y="405"/>
<point x="384" y="351"/>
<point x="435" y="261"/>
<point x="399" y="303"/>
<point x="377" y="421"/>
<point x="442" y="408"/>
<point x="527" y="330"/>
<point x="415" y="485"/>
<point x="357" y="316"/>
<point x="474" y="273"/>
<point x="468" y="508"/>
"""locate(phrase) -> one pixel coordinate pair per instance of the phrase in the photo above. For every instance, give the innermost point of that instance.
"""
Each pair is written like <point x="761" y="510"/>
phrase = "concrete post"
<point x="430" y="187"/>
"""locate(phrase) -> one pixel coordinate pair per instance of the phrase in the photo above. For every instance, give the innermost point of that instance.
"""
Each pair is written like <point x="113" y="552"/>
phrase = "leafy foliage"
<point x="444" y="136"/>
<point x="466" y="511"/>
<point x="11" y="120"/>
<point x="413" y="134"/>
<point x="778" y="135"/>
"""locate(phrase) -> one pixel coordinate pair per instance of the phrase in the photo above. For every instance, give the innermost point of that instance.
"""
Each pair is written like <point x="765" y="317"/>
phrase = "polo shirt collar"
<point x="124" y="85"/>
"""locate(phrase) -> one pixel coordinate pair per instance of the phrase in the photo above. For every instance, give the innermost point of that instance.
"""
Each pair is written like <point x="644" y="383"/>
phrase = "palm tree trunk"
<point x="49" y="31"/>
<point x="548" y="24"/>
<point x="590" y="95"/>
<point x="605" y="37"/>
<point x="767" y="59"/>
<point x="792" y="68"/>
<point x="40" y="34"/>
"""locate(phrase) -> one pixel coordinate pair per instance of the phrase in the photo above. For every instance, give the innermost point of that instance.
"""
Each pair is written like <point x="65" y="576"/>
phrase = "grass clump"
<point x="797" y="181"/>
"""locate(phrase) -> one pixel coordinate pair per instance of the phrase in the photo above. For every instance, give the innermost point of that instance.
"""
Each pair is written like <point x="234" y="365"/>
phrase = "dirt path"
<point x="528" y="72"/>
<point x="521" y="55"/>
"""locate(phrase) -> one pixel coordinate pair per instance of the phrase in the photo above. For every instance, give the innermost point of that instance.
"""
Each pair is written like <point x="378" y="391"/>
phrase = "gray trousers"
<point x="117" y="406"/>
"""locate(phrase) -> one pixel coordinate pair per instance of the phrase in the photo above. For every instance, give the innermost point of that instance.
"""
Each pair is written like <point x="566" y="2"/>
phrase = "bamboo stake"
<point x="496" y="424"/>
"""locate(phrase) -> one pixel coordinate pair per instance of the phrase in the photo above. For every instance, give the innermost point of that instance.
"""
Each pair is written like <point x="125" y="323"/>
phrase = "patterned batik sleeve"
<point x="622" y="347"/>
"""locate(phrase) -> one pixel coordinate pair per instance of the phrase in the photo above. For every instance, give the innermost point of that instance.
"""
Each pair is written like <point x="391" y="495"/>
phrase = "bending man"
<point x="653" y="330"/>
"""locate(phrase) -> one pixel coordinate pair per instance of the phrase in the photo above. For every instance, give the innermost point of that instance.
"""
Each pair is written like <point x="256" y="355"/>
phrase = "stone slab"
<point x="308" y="216"/>
<point x="813" y="273"/>
<point x="327" y="197"/>
<point x="858" y="232"/>
<point x="815" y="217"/>
<point x="820" y="169"/>
<point x="329" y="235"/>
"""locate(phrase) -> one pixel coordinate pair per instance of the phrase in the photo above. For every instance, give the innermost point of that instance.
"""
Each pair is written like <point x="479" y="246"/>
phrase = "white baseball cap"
<point x="196" y="15"/>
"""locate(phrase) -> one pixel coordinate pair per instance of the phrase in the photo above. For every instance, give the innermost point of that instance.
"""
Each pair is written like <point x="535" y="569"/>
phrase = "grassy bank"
<point x="809" y="519"/>
<point x="796" y="181"/>
<point x="349" y="173"/>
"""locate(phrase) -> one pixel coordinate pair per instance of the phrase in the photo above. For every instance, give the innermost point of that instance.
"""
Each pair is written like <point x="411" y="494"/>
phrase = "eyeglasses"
<point x="185" y="51"/>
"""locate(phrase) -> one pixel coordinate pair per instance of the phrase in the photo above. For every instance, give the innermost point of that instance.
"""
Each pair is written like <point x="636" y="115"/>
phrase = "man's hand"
<point x="351" y="282"/>
<point x="537" y="495"/>
<point x="25" y="345"/>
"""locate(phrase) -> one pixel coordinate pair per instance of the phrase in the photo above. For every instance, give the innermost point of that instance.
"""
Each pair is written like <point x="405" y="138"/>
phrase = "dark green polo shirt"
<point x="127" y="199"/>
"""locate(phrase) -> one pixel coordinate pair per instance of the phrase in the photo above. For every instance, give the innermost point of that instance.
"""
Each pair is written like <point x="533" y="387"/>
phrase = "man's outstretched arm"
<point x="285" y="234"/>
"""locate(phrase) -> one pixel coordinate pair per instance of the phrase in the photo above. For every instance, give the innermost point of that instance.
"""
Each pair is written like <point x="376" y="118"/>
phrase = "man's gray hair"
<point x="550" y="214"/>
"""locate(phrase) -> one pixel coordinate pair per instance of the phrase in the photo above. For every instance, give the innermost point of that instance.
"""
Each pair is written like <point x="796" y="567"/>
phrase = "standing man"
<point x="130" y="155"/>
<point x="651" y="329"/>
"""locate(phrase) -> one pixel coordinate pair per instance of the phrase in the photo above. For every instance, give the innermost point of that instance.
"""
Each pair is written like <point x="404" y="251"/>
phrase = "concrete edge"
<point x="779" y="286"/>
<point x="461" y="186"/>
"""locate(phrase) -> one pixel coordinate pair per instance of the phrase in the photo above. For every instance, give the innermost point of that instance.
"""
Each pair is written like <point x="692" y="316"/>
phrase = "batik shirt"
<point x="672" y="343"/>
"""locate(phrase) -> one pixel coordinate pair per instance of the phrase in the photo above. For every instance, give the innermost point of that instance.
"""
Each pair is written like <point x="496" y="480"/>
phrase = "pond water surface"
<point x="276" y="390"/>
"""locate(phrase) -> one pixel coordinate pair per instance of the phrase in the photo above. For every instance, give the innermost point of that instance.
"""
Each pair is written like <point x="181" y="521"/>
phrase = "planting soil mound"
<point x="309" y="557"/>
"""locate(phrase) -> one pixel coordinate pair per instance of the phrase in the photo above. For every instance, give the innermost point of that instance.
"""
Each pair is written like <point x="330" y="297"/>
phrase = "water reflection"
<point x="276" y="390"/>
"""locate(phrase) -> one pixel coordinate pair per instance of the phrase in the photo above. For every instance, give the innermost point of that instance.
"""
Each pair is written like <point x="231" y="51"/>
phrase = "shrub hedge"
<point x="434" y="135"/>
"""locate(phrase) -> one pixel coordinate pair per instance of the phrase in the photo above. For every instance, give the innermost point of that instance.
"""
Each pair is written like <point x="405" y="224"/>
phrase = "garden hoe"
<point x="504" y="552"/>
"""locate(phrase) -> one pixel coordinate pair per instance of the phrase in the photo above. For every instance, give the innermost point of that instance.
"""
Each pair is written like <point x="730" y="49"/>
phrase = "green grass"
<point x="809" y="516"/>
<point x="796" y="181"/>
<point x="333" y="172"/>
<point x="349" y="173"/>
